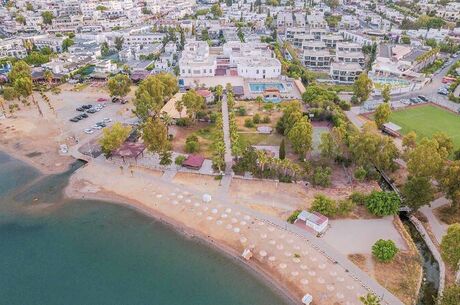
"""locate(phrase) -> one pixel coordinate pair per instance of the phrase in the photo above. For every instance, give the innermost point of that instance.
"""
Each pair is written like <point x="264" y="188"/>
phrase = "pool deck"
<point x="291" y="90"/>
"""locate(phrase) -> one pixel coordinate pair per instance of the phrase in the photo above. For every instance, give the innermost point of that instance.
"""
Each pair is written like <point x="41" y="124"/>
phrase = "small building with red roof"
<point x="193" y="162"/>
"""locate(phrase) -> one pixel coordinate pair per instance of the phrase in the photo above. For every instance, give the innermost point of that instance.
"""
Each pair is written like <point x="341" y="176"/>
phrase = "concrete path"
<point x="228" y="144"/>
<point x="350" y="236"/>
<point x="438" y="228"/>
<point x="169" y="175"/>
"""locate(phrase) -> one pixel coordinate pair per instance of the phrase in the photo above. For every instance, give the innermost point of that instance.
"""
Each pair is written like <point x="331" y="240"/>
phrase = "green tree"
<point x="216" y="11"/>
<point x="149" y="98"/>
<point x="384" y="250"/>
<point x="409" y="141"/>
<point x="20" y="69"/>
<point x="48" y="76"/>
<point x="370" y="299"/>
<point x="165" y="158"/>
<point x="386" y="93"/>
<point x="362" y="88"/>
<point x="382" y="114"/>
<point x="333" y="4"/>
<point x="450" y="246"/>
<point x="47" y="17"/>
<point x="383" y="203"/>
<point x="20" y="19"/>
<point x="105" y="50"/>
<point x="282" y="152"/>
<point x="450" y="296"/>
<point x="446" y="145"/>
<point x="67" y="43"/>
<point x="449" y="180"/>
<point x="425" y="159"/>
<point x="370" y="148"/>
<point x="155" y="135"/>
<point x="119" y="85"/>
<point x="9" y="93"/>
<point x="322" y="176"/>
<point x="192" y="145"/>
<point x="193" y="103"/>
<point x="119" y="40"/>
<point x="301" y="136"/>
<point x="169" y="82"/>
<point x="113" y="137"/>
<point x="324" y="205"/>
<point x="291" y="114"/>
<point x="417" y="192"/>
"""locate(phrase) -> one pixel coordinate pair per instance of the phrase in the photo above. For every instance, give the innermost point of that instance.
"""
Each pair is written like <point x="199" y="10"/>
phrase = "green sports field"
<point x="426" y="120"/>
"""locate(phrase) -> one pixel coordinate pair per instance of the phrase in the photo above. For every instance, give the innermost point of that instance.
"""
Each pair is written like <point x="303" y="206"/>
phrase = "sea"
<point x="57" y="251"/>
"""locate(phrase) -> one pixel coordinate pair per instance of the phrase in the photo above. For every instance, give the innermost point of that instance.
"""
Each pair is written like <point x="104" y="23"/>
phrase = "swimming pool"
<point x="274" y="100"/>
<point x="261" y="87"/>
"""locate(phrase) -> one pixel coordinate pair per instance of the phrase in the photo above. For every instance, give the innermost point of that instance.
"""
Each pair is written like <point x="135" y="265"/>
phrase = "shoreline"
<point x="41" y="168"/>
<point x="192" y="234"/>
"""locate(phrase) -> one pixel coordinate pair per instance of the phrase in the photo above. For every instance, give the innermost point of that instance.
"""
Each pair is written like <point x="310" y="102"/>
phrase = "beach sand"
<point x="292" y="263"/>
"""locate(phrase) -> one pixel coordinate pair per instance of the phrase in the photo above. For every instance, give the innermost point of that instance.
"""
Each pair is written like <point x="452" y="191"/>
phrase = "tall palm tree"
<point x="48" y="76"/>
<point x="167" y="120"/>
<point x="262" y="159"/>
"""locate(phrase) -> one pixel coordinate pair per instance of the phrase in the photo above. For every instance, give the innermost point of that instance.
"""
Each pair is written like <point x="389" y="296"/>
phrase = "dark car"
<point x="102" y="124"/>
<point x="413" y="100"/>
<point x="423" y="98"/>
<point x="92" y="110"/>
<point x="83" y="115"/>
<point x="80" y="109"/>
<point x="74" y="120"/>
<point x="86" y="106"/>
<point x="115" y="100"/>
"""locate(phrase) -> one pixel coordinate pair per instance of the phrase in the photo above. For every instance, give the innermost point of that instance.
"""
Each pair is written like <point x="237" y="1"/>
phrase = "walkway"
<point x="438" y="228"/>
<point x="227" y="141"/>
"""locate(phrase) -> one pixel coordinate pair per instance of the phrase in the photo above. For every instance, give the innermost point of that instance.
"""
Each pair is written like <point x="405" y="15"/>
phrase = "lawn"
<point x="273" y="139"/>
<point x="426" y="120"/>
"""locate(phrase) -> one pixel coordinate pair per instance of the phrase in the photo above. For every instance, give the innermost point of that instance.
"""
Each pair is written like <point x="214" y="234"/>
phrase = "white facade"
<point x="196" y="60"/>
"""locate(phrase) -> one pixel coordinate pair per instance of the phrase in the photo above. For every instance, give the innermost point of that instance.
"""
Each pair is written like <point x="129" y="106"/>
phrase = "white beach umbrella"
<point x="272" y="258"/>
<point x="206" y="198"/>
<point x="236" y="230"/>
<point x="294" y="273"/>
<point x="330" y="287"/>
<point x="263" y="253"/>
<point x="282" y="265"/>
<point x="304" y="281"/>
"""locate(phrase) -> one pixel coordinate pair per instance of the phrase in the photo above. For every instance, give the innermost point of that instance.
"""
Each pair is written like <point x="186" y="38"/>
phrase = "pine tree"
<point x="282" y="150"/>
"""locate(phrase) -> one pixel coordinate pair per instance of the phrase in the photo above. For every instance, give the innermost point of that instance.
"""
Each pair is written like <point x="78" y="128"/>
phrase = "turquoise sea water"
<point x="60" y="252"/>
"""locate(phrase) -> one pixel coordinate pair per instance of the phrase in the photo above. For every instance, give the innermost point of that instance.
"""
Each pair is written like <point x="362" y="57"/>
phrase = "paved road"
<point x="438" y="228"/>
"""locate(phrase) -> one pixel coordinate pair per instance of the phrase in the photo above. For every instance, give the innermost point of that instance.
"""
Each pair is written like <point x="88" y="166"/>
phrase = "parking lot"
<point x="99" y="109"/>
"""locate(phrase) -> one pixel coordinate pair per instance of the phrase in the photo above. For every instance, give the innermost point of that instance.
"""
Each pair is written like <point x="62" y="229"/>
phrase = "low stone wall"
<point x="442" y="268"/>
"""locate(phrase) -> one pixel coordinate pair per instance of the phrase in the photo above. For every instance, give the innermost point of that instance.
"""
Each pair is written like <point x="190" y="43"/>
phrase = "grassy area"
<point x="447" y="214"/>
<point x="273" y="139"/>
<point x="426" y="120"/>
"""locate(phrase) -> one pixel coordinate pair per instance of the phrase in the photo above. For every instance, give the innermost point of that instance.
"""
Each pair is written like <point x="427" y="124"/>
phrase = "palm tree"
<point x="259" y="101"/>
<point x="48" y="76"/>
<point x="262" y="159"/>
<point x="179" y="107"/>
<point x="219" y="92"/>
<point x="167" y="120"/>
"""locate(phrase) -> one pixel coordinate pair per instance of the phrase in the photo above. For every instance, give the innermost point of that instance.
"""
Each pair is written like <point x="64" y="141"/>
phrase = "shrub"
<point x="165" y="158"/>
<point x="322" y="176"/>
<point x="184" y="122"/>
<point x="344" y="207"/>
<point x="192" y="146"/>
<point x="358" y="198"/>
<point x="384" y="250"/>
<point x="324" y="205"/>
<point x="248" y="123"/>
<point x="256" y="118"/>
<point x="344" y="105"/>
<point x="241" y="111"/>
<point x="266" y="119"/>
<point x="293" y="216"/>
<point x="450" y="296"/>
<point x="450" y="245"/>
<point x="360" y="173"/>
<point x="383" y="203"/>
<point x="179" y="160"/>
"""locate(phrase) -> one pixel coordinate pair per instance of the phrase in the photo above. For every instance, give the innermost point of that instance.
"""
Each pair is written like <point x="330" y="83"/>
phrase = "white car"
<point x="107" y="120"/>
<point x="96" y="127"/>
<point x="89" y="131"/>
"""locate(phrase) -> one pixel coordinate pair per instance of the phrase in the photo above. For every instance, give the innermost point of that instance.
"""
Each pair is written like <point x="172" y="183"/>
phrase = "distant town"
<point x="317" y="141"/>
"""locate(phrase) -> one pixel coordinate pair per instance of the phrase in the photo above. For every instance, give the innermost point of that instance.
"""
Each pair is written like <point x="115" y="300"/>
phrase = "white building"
<point x="345" y="72"/>
<point x="196" y="60"/>
<point x="314" y="220"/>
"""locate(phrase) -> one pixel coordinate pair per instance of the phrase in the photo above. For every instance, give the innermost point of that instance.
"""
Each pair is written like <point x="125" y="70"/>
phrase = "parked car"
<point x="106" y="120"/>
<point x="83" y="115"/>
<point x="423" y="98"/>
<point x="89" y="130"/>
<point x="102" y="124"/>
<point x="92" y="110"/>
<point x="115" y="100"/>
<point x="80" y="109"/>
<point x="102" y="99"/>
<point x="87" y="106"/>
<point x="96" y="127"/>
<point x="74" y="120"/>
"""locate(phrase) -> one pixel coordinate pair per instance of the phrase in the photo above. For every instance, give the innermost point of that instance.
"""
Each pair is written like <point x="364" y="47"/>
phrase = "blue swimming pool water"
<point x="274" y="100"/>
<point x="261" y="87"/>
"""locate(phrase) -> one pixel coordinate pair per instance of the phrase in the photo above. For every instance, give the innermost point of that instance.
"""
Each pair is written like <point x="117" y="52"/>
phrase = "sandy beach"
<point x="289" y="261"/>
